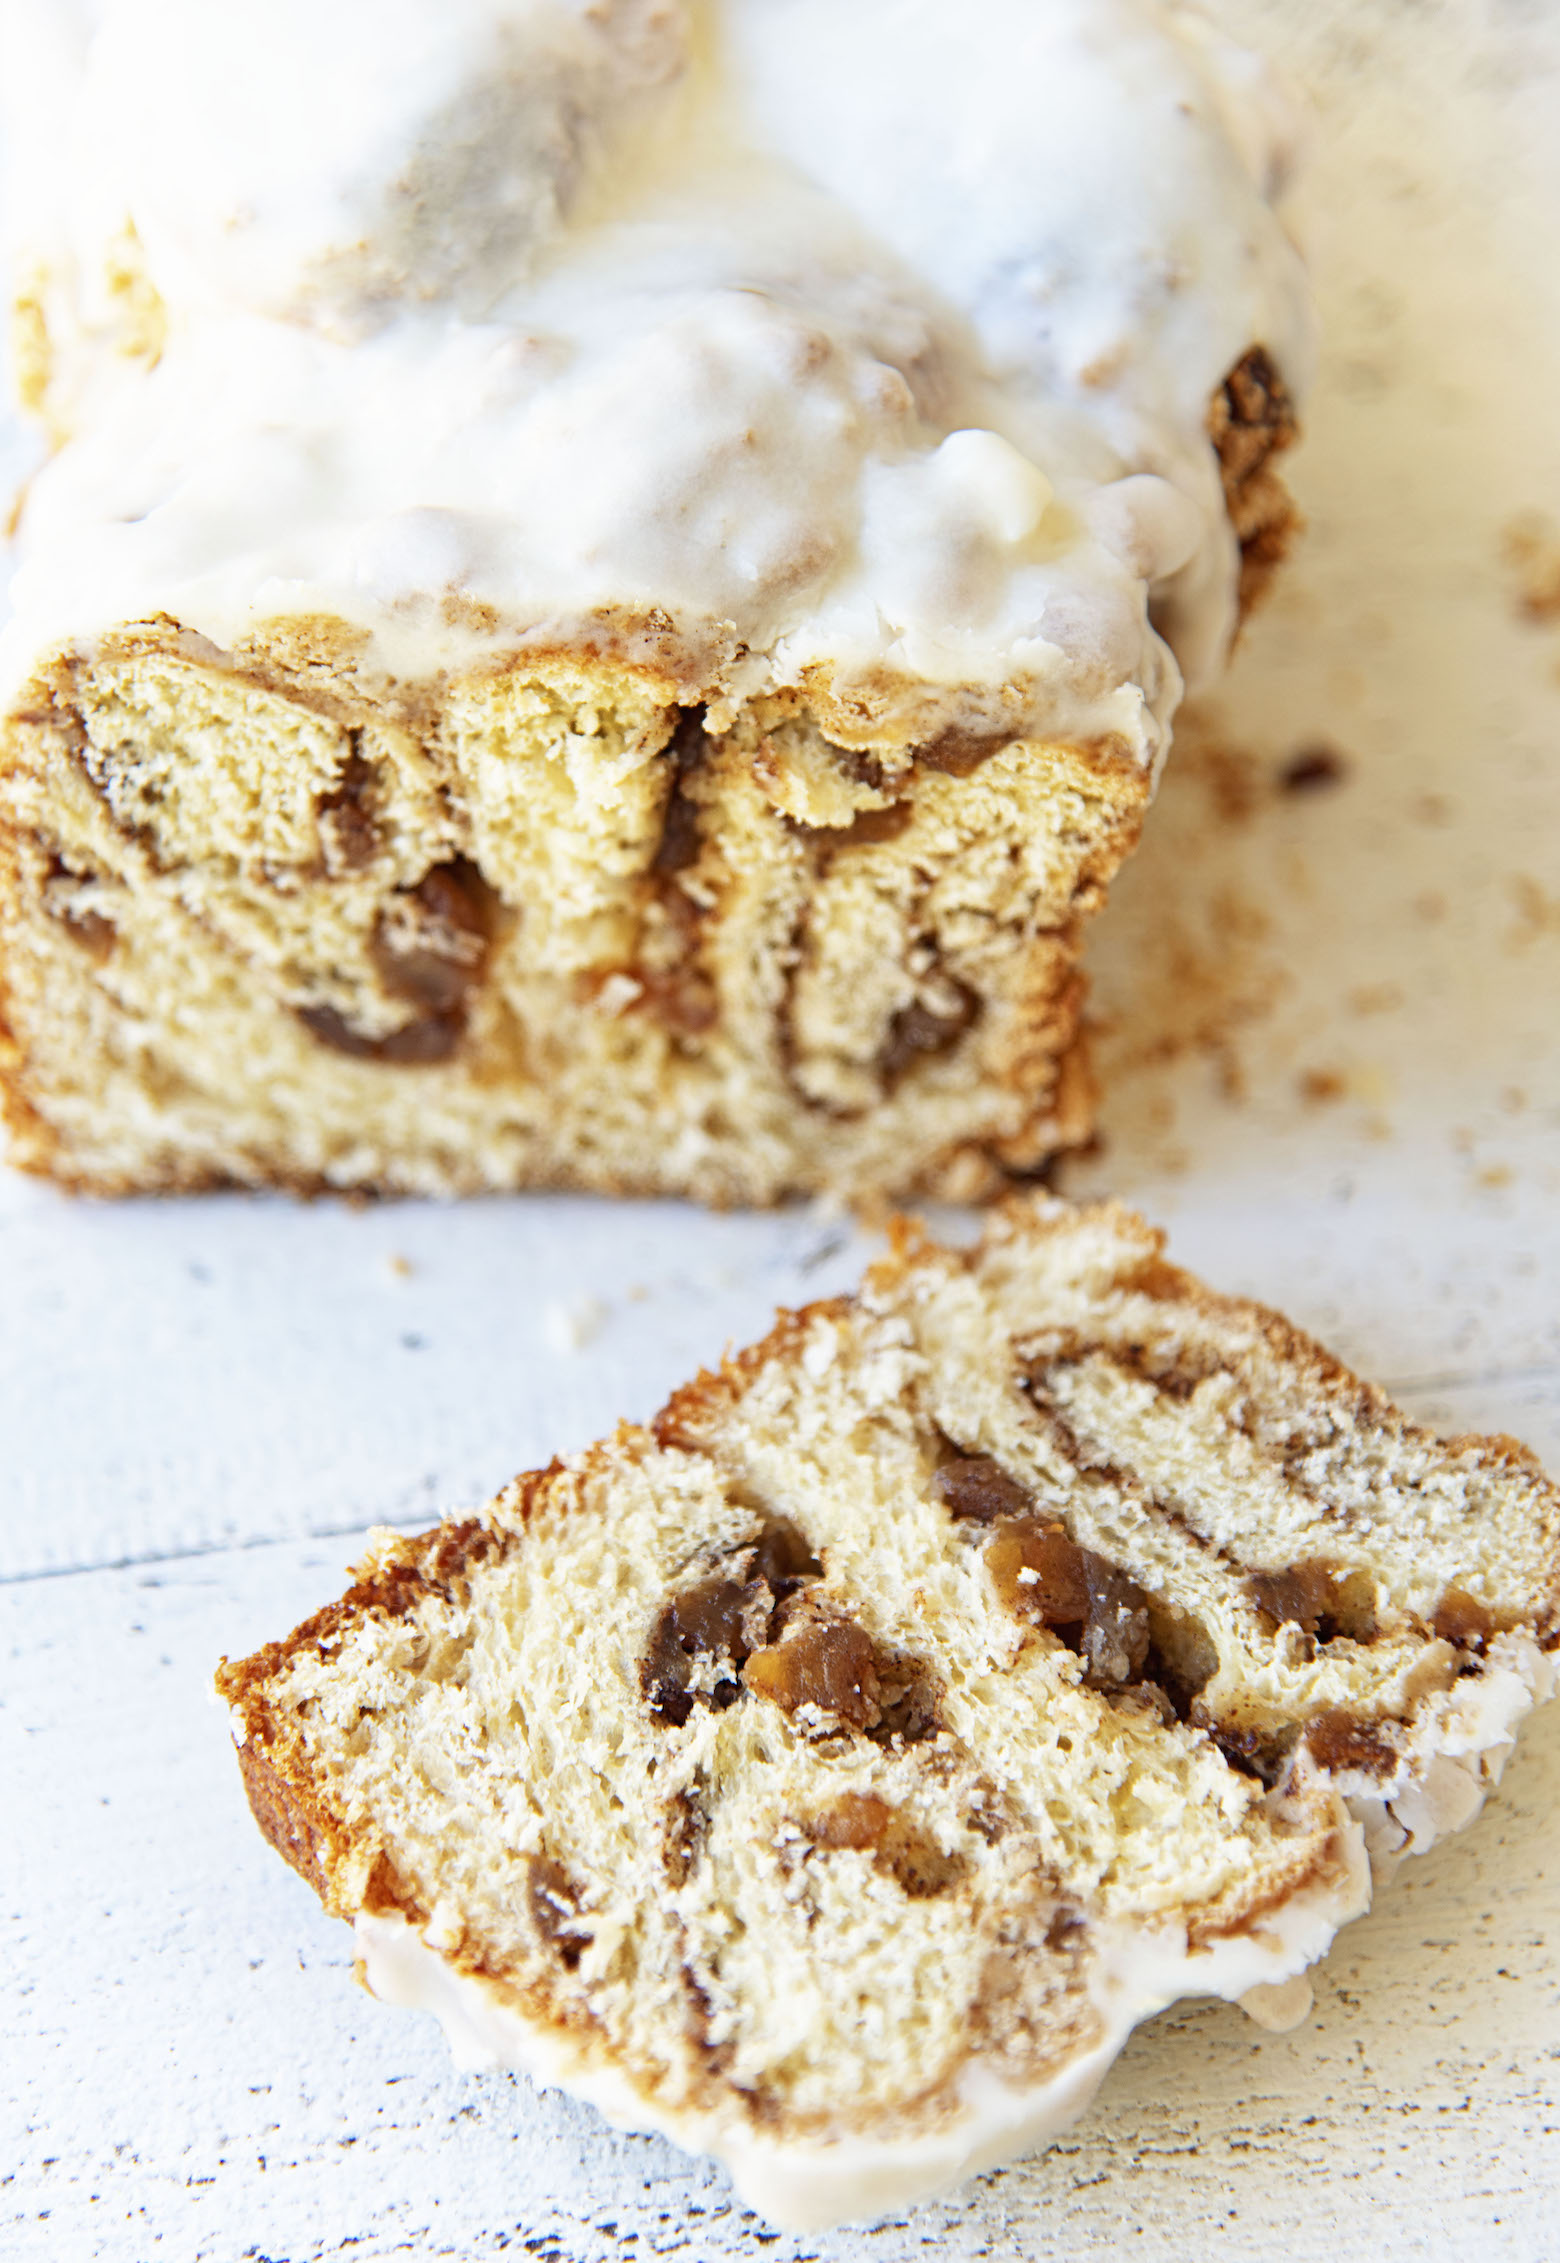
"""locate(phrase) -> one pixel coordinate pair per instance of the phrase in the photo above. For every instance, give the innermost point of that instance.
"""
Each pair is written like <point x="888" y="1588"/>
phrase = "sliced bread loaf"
<point x="832" y="1773"/>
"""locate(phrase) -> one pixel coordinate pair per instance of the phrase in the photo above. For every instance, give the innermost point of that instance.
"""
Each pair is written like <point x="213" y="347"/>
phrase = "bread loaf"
<point x="830" y="1774"/>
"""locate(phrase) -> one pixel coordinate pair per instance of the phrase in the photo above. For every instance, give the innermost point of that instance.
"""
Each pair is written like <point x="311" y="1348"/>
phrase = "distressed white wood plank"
<point x="176" y="1375"/>
<point x="186" y="1375"/>
<point x="191" y="2072"/>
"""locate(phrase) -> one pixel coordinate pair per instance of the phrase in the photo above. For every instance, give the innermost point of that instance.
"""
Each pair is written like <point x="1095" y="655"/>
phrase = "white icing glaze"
<point x="1137" y="1971"/>
<point x="1277" y="2006"/>
<point x="368" y="151"/>
<point x="1457" y="1755"/>
<point x="1459" y="1748"/>
<point x="857" y="339"/>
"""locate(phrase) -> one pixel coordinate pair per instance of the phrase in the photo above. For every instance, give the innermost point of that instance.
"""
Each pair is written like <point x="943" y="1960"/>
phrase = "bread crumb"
<point x="1494" y="1175"/>
<point x="398" y="1267"/>
<point x="1228" y="775"/>
<point x="1209" y="977"/>
<point x="1530" y="546"/>
<point x="1538" y="913"/>
<point x="570" y="1327"/>
<point x="1313" y="768"/>
<point x="1318" y="1086"/>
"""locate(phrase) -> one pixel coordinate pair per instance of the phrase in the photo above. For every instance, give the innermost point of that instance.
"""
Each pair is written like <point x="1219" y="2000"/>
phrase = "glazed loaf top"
<point x="779" y="340"/>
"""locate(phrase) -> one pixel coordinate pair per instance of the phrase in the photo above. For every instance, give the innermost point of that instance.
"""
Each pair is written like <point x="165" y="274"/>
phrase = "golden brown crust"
<point x="285" y="1794"/>
<point x="683" y="1424"/>
<point x="290" y="1816"/>
<point x="34" y="1144"/>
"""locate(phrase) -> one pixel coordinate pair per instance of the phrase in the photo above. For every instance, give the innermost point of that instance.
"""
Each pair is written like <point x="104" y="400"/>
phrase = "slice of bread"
<point x="831" y="1774"/>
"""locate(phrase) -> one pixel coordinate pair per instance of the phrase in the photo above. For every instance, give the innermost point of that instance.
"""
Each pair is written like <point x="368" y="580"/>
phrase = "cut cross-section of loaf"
<point x="832" y="1773"/>
<point x="261" y="923"/>
<point x="602" y="614"/>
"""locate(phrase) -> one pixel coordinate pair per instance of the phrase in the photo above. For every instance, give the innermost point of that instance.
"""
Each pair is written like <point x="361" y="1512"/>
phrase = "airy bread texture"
<point x="830" y="1774"/>
<point x="539" y="926"/>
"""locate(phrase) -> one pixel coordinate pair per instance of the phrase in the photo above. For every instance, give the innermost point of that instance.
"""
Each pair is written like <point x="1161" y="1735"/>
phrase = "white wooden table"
<point x="1335" y="1073"/>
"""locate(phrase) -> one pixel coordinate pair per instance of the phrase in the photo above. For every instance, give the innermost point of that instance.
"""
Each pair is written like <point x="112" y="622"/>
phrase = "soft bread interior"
<point x="825" y="1742"/>
<point x="265" y="917"/>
